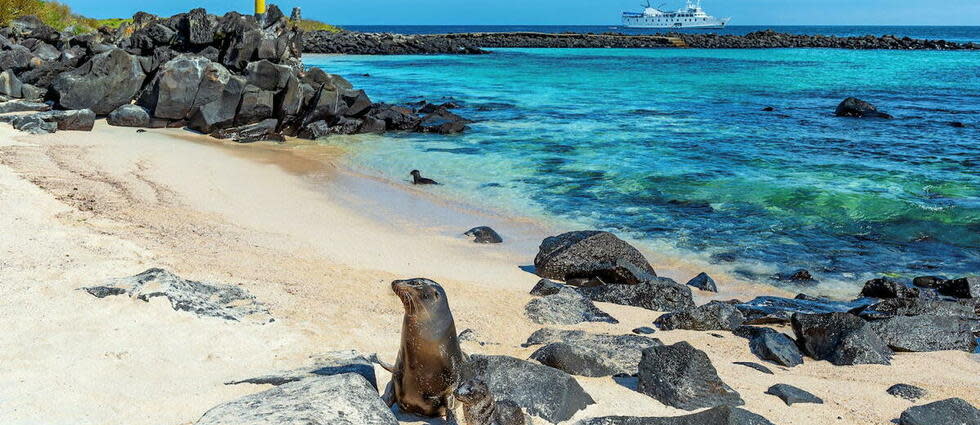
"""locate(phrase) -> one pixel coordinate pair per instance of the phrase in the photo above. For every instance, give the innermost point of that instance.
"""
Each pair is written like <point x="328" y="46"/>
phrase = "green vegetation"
<point x="55" y="14"/>
<point x="113" y="22"/>
<point x="311" y="25"/>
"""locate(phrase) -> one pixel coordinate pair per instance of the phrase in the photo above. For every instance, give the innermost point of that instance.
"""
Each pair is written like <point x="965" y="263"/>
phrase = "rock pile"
<point x="230" y="76"/>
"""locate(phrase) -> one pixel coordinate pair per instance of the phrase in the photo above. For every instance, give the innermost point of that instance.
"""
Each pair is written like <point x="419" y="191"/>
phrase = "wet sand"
<point x="319" y="244"/>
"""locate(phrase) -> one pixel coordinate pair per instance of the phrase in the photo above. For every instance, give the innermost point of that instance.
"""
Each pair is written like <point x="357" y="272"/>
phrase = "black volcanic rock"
<point x="104" y="83"/>
<point x="590" y="254"/>
<point x="587" y="354"/>
<point x="721" y="415"/>
<point x="566" y="307"/>
<point x="952" y="411"/>
<point x="772" y="346"/>
<point x="926" y="333"/>
<point x="887" y="288"/>
<point x="840" y="338"/>
<point x="657" y="294"/>
<point x="906" y="391"/>
<point x="792" y="395"/>
<point x="682" y="376"/>
<point x="703" y="282"/>
<point x="712" y="316"/>
<point x="857" y="108"/>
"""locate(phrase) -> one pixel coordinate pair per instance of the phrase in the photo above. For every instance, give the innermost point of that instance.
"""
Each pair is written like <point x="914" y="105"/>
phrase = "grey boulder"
<point x="129" y="116"/>
<point x="23" y="106"/>
<point x="346" y="399"/>
<point x="712" y="316"/>
<point x="546" y="287"/>
<point x="682" y="376"/>
<point x="10" y="85"/>
<point x="703" y="282"/>
<point x="657" y="294"/>
<point x="792" y="395"/>
<point x="926" y="333"/>
<point x="227" y="302"/>
<point x="107" y="81"/>
<point x="952" y="411"/>
<point x="183" y="84"/>
<point x="220" y="112"/>
<point x="840" y="338"/>
<point x="540" y="390"/>
<point x="587" y="354"/>
<point x="333" y="363"/>
<point x="771" y="346"/>
<point x="567" y="307"/>
<point x="589" y="254"/>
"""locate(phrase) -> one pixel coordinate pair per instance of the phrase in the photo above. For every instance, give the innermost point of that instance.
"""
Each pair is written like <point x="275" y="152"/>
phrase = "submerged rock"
<point x="840" y="338"/>
<point x="345" y="399"/>
<point x="792" y="395"/>
<point x="952" y="411"/>
<point x="906" y="391"/>
<point x="657" y="294"/>
<point x="227" y="302"/>
<point x="567" y="307"/>
<point x="588" y="354"/>
<point x="682" y="376"/>
<point x="712" y="316"/>
<point x="540" y="390"/>
<point x="591" y="254"/>
<point x="721" y="415"/>
<point x="484" y="234"/>
<point x="857" y="108"/>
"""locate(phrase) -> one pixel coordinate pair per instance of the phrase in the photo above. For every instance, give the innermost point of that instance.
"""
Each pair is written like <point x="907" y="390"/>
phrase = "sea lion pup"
<point x="480" y="408"/>
<point x="418" y="179"/>
<point x="429" y="362"/>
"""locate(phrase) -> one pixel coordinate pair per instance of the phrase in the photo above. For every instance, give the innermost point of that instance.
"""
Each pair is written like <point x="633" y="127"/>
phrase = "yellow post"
<point x="259" y="7"/>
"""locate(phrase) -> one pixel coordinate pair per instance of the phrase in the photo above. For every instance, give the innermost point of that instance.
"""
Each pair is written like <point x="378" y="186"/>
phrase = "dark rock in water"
<point x="952" y="411"/>
<point x="644" y="330"/>
<point x="906" y="391"/>
<point x="857" y="108"/>
<point x="791" y="395"/>
<point x="712" y="316"/>
<point x="772" y="346"/>
<point x="588" y="354"/>
<point x="129" y="116"/>
<point x="104" y="83"/>
<point x="931" y="282"/>
<point x="721" y="415"/>
<point x="396" y="117"/>
<point x="227" y="302"/>
<point x="886" y="288"/>
<point x="755" y="366"/>
<point x="682" y="376"/>
<point x="801" y="276"/>
<point x="964" y="287"/>
<point x="346" y="399"/>
<point x="768" y="109"/>
<point x="262" y="131"/>
<point x="588" y="254"/>
<point x="333" y="363"/>
<point x="926" y="333"/>
<point x="957" y="124"/>
<point x="703" y="282"/>
<point x="840" y="338"/>
<point x="484" y="234"/>
<point x="540" y="390"/>
<point x="778" y="310"/>
<point x="657" y="294"/>
<point x="567" y="307"/>
<point x="23" y="106"/>
<point x="358" y="103"/>
<point x="546" y="287"/>
<point x="183" y="84"/>
<point x="442" y="122"/>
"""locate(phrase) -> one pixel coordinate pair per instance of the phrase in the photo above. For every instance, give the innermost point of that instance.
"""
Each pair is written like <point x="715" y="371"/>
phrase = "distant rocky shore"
<point x="349" y="42"/>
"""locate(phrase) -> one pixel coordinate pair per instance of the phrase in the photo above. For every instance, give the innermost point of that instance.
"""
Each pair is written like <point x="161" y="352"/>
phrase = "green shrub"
<point x="311" y="25"/>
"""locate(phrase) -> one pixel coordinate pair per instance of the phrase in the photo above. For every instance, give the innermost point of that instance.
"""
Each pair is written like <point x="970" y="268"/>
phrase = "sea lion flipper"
<point x="386" y="366"/>
<point x="389" y="396"/>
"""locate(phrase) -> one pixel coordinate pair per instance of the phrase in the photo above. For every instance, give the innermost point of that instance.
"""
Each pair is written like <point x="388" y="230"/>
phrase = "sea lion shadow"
<point x="630" y="382"/>
<point x="529" y="268"/>
<point x="413" y="418"/>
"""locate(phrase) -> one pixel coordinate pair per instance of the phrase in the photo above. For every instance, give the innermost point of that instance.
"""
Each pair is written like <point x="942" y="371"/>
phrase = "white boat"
<point x="691" y="16"/>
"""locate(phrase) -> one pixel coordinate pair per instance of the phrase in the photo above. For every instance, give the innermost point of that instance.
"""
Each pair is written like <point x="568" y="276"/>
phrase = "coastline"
<point x="85" y="207"/>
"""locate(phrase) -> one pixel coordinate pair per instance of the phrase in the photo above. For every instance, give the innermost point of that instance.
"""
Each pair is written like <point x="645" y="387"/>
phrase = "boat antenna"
<point x="647" y="5"/>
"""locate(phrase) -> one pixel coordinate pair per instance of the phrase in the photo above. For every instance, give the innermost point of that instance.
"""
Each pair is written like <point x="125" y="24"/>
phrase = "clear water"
<point x="960" y="34"/>
<point x="672" y="147"/>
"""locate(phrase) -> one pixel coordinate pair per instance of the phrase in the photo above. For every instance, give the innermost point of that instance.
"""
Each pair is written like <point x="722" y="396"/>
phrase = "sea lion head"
<point x="416" y="173"/>
<point x="472" y="391"/>
<point x="421" y="297"/>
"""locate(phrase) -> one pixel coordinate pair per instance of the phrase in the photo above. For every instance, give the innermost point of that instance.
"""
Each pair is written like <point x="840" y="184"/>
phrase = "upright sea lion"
<point x="428" y="367"/>
<point x="418" y="179"/>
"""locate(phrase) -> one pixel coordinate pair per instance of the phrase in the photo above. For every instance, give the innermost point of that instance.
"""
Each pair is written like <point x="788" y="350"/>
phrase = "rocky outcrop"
<point x="541" y="391"/>
<point x="329" y="364"/>
<point x="792" y="395"/>
<point x="227" y="302"/>
<point x="591" y="255"/>
<point x="682" y="376"/>
<point x="566" y="307"/>
<point x="105" y="82"/>
<point x="346" y="399"/>
<point x="587" y="354"/>
<point x="952" y="411"/>
<point x="840" y="338"/>
<point x="712" y="316"/>
<point x="721" y="415"/>
<point x="657" y="294"/>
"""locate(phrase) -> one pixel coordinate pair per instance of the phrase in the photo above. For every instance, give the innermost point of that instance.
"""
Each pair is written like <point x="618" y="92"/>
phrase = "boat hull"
<point x="693" y="27"/>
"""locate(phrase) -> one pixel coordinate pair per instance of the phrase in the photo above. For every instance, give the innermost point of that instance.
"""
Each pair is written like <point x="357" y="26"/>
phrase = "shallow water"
<point x="672" y="147"/>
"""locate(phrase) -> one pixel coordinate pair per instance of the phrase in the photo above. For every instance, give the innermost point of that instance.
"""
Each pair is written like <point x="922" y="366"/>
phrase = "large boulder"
<point x="965" y="309"/>
<point x="657" y="294"/>
<point x="219" y="113"/>
<point x="926" y="333"/>
<point x="197" y="27"/>
<point x="587" y="354"/>
<point x="129" y="116"/>
<point x="107" y="81"/>
<point x="346" y="399"/>
<point x="964" y="287"/>
<point x="887" y="288"/>
<point x="541" y="391"/>
<point x="16" y="58"/>
<point x="721" y="415"/>
<point x="10" y="85"/>
<point x="590" y="254"/>
<point x="703" y="282"/>
<point x="840" y="338"/>
<point x="182" y="85"/>
<point x="857" y="108"/>
<point x="712" y="316"/>
<point x="567" y="307"/>
<point x="771" y="345"/>
<point x="267" y="75"/>
<point x="74" y="120"/>
<point x="30" y="26"/>
<point x="229" y="302"/>
<point x="952" y="411"/>
<point x="682" y="376"/>
<point x="256" y="105"/>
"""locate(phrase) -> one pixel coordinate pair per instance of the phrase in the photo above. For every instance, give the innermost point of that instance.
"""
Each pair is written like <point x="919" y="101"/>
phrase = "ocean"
<point x="956" y="34"/>
<point x="672" y="148"/>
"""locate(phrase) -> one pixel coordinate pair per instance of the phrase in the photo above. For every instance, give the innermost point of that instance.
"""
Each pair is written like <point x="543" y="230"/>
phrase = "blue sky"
<point x="573" y="12"/>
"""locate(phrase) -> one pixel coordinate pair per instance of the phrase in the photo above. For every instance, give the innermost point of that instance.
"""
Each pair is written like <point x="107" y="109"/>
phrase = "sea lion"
<point x="418" y="179"/>
<point x="429" y="362"/>
<point x="480" y="408"/>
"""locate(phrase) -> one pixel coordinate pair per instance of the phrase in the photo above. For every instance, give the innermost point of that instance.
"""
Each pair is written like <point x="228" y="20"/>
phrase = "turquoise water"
<point x="672" y="147"/>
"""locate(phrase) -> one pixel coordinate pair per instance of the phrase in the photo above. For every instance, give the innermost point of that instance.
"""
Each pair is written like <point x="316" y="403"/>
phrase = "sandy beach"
<point x="293" y="226"/>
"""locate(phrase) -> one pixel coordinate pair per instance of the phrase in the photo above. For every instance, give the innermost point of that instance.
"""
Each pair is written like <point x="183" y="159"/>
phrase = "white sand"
<point x="291" y="227"/>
